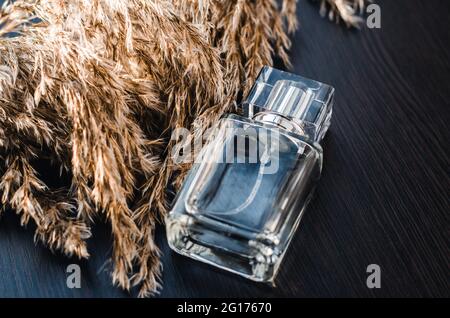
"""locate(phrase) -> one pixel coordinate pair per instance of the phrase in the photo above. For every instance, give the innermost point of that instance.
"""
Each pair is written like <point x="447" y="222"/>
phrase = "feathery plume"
<point x="345" y="10"/>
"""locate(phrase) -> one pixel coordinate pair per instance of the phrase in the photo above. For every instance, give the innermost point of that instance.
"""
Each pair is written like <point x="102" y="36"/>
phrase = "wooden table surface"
<point x="383" y="197"/>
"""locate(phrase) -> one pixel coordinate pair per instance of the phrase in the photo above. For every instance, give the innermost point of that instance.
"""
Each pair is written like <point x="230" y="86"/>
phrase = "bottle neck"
<point x="280" y="121"/>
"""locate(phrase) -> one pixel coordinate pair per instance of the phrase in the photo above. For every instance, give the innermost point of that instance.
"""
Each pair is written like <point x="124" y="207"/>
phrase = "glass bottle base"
<point x="253" y="256"/>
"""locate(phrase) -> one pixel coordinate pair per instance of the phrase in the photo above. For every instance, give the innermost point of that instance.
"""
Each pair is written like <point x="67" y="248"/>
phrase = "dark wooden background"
<point x="383" y="197"/>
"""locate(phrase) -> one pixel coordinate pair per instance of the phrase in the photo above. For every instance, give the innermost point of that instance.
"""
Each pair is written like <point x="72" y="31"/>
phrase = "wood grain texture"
<point x="383" y="197"/>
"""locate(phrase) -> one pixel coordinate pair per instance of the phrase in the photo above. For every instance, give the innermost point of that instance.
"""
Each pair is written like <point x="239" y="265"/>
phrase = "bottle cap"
<point x="305" y="102"/>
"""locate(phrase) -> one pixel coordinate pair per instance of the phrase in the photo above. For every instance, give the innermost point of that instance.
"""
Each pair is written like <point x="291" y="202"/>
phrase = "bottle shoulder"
<point x="236" y="121"/>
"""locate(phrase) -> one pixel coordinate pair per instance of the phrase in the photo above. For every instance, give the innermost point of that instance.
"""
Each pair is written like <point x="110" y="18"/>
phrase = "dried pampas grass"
<point x="96" y="88"/>
<point x="345" y="10"/>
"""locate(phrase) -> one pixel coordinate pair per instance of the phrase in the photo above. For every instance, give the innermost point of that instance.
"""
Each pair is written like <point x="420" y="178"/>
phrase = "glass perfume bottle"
<point x="242" y="201"/>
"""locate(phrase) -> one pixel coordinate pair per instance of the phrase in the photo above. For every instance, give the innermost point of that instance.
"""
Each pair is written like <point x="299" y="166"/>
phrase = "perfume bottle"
<point x="242" y="201"/>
